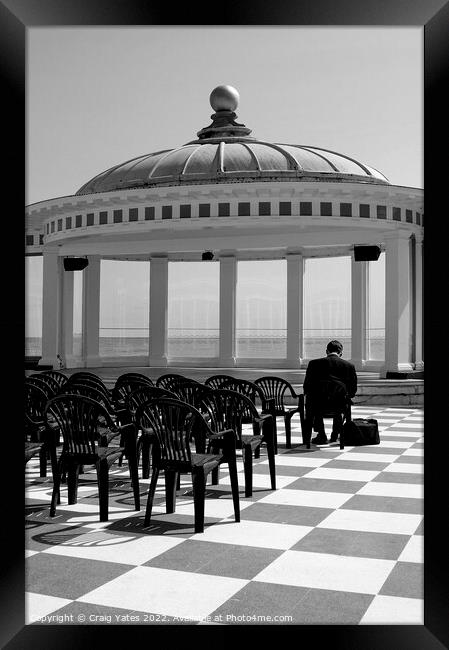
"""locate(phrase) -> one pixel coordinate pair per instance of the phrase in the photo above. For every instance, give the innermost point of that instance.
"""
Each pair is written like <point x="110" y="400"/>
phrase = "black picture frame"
<point x="433" y="15"/>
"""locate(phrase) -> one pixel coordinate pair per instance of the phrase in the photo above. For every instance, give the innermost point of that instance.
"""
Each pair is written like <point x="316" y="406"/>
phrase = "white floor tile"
<point x="408" y="425"/>
<point x="342" y="474"/>
<point x="312" y="498"/>
<point x="325" y="571"/>
<point x="39" y="605"/>
<point x="371" y="521"/>
<point x="254" y="533"/>
<point x="414" y="550"/>
<point x="413" y="452"/>
<point x="406" y="490"/>
<point x="374" y="458"/>
<point x="261" y="481"/>
<point x="29" y="553"/>
<point x="395" y="444"/>
<point x="162" y="591"/>
<point x="302" y="460"/>
<point x="391" y="610"/>
<point x="399" y="433"/>
<point x="406" y="468"/>
<point x="101" y="545"/>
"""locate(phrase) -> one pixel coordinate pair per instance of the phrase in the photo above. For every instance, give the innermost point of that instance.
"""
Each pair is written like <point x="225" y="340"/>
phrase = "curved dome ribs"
<point x="224" y="151"/>
<point x="335" y="153"/>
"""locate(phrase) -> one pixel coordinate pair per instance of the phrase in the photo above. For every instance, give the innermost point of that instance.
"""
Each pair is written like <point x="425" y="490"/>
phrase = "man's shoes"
<point x="320" y="439"/>
<point x="334" y="437"/>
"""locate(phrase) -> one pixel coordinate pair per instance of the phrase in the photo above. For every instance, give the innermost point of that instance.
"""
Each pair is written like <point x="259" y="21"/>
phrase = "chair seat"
<point x="254" y="441"/>
<point x="199" y="460"/>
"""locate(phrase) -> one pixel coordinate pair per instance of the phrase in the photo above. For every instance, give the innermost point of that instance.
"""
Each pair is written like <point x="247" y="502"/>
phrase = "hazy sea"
<point x="203" y="347"/>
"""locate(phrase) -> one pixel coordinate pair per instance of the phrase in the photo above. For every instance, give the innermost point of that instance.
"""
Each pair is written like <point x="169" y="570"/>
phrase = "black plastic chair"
<point x="49" y="384"/>
<point x="60" y="377"/>
<point x="176" y="425"/>
<point x="146" y="439"/>
<point x="169" y="380"/>
<point x="126" y="384"/>
<point x="329" y="398"/>
<point x="79" y="418"/>
<point x="36" y="436"/>
<point x="255" y="394"/>
<point x="228" y="409"/>
<point x="276" y="389"/>
<point x="217" y="381"/>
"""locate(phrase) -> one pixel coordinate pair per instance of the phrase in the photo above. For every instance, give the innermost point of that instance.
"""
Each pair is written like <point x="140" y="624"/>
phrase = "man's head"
<point x="334" y="347"/>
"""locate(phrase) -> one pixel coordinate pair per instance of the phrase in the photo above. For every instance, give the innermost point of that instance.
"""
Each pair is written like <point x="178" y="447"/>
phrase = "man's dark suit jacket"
<point x="331" y="367"/>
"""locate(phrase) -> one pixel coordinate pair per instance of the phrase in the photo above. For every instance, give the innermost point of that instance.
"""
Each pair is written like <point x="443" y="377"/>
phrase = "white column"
<point x="51" y="295"/>
<point x="397" y="302"/>
<point x="358" y="312"/>
<point x="158" y="310"/>
<point x="91" y="312"/>
<point x="419" y="361"/>
<point x="67" y="320"/>
<point x="295" y="278"/>
<point x="228" y="288"/>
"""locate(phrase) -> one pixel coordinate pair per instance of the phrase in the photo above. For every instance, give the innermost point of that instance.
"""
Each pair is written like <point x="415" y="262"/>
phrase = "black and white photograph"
<point x="224" y="339"/>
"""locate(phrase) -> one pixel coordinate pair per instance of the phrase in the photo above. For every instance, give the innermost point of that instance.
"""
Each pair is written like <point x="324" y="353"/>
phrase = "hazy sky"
<point x="99" y="96"/>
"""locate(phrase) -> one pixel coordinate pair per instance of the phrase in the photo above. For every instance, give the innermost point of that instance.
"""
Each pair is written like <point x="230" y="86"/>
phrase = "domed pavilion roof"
<point x="225" y="152"/>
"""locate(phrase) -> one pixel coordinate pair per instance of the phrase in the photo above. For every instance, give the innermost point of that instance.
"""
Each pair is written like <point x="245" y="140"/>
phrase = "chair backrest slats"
<point x="275" y="388"/>
<point x="175" y="424"/>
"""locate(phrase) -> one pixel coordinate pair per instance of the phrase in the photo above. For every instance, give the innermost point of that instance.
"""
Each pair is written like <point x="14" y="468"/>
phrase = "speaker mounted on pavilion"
<point x="207" y="256"/>
<point x="75" y="263"/>
<point x="366" y="253"/>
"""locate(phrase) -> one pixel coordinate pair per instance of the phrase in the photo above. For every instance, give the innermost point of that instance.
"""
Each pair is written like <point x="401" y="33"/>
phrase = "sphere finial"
<point x="224" y="98"/>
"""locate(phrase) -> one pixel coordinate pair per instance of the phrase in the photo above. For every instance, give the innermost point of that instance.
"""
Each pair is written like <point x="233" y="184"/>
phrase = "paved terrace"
<point x="339" y="542"/>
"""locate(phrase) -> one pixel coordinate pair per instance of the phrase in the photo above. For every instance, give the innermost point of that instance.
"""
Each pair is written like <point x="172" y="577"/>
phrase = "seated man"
<point x="331" y="368"/>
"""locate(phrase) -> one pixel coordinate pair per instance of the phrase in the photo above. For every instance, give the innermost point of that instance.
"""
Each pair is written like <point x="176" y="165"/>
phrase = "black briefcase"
<point x="361" y="432"/>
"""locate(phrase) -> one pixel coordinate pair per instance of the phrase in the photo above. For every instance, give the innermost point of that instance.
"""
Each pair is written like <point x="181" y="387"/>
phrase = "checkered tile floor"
<point x="339" y="542"/>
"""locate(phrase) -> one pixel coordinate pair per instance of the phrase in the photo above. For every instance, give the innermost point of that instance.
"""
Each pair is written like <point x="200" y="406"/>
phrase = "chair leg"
<point x="248" y="465"/>
<point x="146" y="451"/>
<point x="215" y="475"/>
<point x="199" y="495"/>
<point x="72" y="483"/>
<point x="178" y="481"/>
<point x="152" y="490"/>
<point x="103" y="489"/>
<point x="55" y="497"/>
<point x="288" y="430"/>
<point x="171" y="479"/>
<point x="43" y="462"/>
<point x="232" y="463"/>
<point x="134" y="476"/>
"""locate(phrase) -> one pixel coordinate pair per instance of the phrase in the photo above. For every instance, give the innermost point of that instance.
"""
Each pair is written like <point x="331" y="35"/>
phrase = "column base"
<point x="93" y="362"/>
<point x="158" y="362"/>
<point x="47" y="363"/>
<point x="227" y="362"/>
<point x="419" y="365"/>
<point x="412" y="374"/>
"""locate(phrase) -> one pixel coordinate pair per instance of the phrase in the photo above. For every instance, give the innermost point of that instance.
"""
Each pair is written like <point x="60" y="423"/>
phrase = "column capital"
<point x="159" y="258"/>
<point x="419" y="237"/>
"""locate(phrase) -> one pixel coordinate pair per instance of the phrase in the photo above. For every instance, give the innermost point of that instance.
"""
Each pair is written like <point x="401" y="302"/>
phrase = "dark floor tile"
<point x="283" y="514"/>
<point x="260" y="599"/>
<point x="283" y="470"/>
<point x="417" y="445"/>
<point x="412" y="460"/>
<point x="356" y="465"/>
<point x="325" y="607"/>
<point x="352" y="543"/>
<point x="388" y="434"/>
<point x="374" y="449"/>
<point x="68" y="577"/>
<point x="399" y="477"/>
<point x="173" y="525"/>
<point x="406" y="581"/>
<point x="384" y="504"/>
<point x="326" y="485"/>
<point x="216" y="559"/>
<point x="89" y="614"/>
